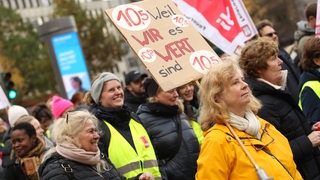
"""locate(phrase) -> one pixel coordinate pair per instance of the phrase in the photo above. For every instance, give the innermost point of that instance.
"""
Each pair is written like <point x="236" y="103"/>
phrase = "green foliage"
<point x="20" y="43"/>
<point x="101" y="47"/>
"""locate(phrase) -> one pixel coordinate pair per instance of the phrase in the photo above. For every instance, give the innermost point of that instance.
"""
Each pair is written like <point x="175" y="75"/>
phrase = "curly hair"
<point x="255" y="54"/>
<point x="311" y="51"/>
<point x="214" y="83"/>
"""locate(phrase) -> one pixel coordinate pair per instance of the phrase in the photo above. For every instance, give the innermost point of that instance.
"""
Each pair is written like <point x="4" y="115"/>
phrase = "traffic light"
<point x="8" y="86"/>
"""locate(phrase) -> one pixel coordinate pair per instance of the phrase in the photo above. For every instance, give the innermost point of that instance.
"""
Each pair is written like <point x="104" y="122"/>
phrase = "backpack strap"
<point x="67" y="168"/>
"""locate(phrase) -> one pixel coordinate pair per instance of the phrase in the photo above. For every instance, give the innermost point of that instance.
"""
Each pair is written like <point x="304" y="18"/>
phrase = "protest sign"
<point x="165" y="41"/>
<point x="318" y="20"/>
<point x="225" y="23"/>
<point x="4" y="102"/>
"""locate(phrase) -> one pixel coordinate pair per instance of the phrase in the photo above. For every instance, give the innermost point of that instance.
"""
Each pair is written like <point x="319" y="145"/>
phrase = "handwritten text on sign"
<point x="165" y="41"/>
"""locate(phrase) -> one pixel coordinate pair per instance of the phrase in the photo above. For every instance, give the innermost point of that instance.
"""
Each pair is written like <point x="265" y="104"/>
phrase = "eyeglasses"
<point x="270" y="140"/>
<point x="271" y="34"/>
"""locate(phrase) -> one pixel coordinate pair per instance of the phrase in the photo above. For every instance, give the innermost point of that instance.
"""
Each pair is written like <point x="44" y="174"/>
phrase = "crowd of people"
<point x="252" y="117"/>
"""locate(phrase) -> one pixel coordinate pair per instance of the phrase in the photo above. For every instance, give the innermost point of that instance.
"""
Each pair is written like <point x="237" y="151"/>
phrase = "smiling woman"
<point x="76" y="153"/>
<point x="28" y="148"/>
<point x="124" y="140"/>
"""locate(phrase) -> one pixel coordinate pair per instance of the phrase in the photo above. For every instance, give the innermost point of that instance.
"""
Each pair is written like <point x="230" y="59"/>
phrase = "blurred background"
<point x="27" y="59"/>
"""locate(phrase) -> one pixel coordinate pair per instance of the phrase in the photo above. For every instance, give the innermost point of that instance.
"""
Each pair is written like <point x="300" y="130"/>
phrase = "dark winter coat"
<point x="133" y="102"/>
<point x="11" y="167"/>
<point x="52" y="168"/>
<point x="173" y="139"/>
<point x="309" y="99"/>
<point x="282" y="111"/>
<point x="293" y="74"/>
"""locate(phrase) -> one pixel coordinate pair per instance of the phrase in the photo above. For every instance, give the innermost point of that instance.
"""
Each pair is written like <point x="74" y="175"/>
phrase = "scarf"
<point x="283" y="82"/>
<point x="250" y="124"/>
<point x="32" y="160"/>
<point x="70" y="151"/>
<point x="115" y="116"/>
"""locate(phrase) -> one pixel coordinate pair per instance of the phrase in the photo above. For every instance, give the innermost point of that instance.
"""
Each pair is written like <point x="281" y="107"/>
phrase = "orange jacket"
<point x="221" y="156"/>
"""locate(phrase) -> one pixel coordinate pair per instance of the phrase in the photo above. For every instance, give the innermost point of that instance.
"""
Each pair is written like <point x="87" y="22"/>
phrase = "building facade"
<point x="39" y="12"/>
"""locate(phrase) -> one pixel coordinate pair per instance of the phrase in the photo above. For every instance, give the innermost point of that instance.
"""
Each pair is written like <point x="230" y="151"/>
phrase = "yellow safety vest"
<point x="314" y="85"/>
<point x="48" y="134"/>
<point x="197" y="130"/>
<point x="130" y="162"/>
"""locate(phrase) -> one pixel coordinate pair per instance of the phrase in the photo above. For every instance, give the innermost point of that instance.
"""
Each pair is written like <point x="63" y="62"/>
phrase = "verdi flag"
<point x="225" y="23"/>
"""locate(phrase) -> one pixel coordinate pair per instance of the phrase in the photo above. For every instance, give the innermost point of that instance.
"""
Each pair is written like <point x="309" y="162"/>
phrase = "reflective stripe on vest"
<point x="314" y="85"/>
<point x="197" y="130"/>
<point x="128" y="161"/>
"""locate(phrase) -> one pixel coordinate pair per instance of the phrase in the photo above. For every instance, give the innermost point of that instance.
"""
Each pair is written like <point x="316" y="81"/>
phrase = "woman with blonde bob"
<point x="226" y="98"/>
<point x="76" y="155"/>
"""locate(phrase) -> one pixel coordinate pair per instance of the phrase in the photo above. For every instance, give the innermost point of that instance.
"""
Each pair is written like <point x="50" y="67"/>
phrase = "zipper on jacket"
<point x="274" y="157"/>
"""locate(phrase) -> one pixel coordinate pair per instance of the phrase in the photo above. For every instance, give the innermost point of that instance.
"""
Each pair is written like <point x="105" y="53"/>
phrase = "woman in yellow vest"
<point x="123" y="138"/>
<point x="191" y="105"/>
<point x="309" y="97"/>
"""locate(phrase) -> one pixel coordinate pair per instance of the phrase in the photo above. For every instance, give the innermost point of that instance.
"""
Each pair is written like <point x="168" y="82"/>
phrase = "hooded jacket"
<point x="222" y="158"/>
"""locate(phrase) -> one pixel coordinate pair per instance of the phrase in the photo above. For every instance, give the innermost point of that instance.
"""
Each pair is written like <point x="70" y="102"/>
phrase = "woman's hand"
<point x="315" y="126"/>
<point x="314" y="137"/>
<point x="146" y="176"/>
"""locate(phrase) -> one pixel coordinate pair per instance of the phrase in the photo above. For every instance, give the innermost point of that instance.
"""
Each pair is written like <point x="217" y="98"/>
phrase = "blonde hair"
<point x="24" y="118"/>
<point x="68" y="128"/>
<point x="212" y="84"/>
<point x="87" y="98"/>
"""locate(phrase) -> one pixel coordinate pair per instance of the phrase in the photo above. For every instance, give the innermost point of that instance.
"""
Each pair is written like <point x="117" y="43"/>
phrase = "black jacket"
<point x="293" y="74"/>
<point x="11" y="167"/>
<point x="52" y="168"/>
<point x="173" y="139"/>
<point x="133" y="102"/>
<point x="310" y="100"/>
<point x="282" y="111"/>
